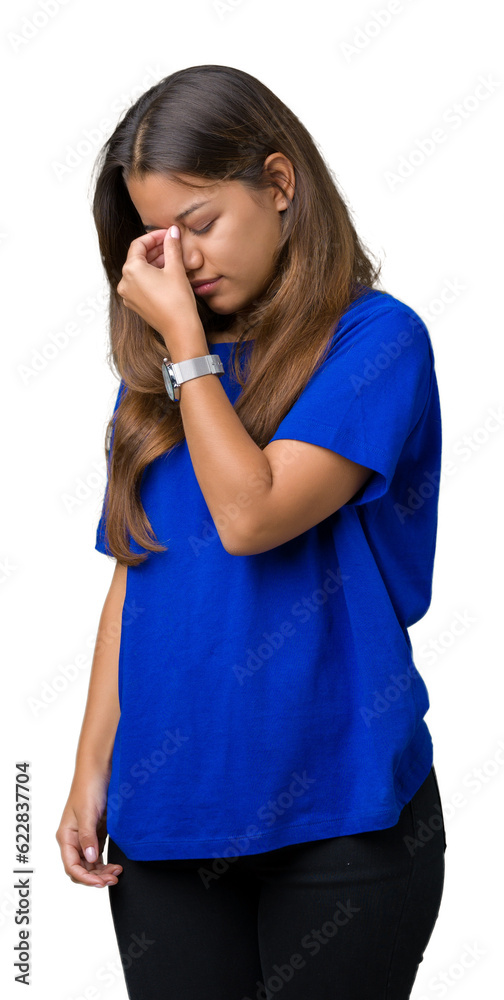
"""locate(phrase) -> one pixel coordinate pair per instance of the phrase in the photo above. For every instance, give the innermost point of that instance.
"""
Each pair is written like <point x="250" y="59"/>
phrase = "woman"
<point x="254" y="741"/>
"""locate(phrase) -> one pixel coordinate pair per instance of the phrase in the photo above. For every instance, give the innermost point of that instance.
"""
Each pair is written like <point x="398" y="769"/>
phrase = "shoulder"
<point x="377" y="314"/>
<point x="380" y="333"/>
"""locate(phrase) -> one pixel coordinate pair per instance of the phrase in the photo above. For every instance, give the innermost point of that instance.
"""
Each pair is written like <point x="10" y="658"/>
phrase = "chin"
<point x="221" y="312"/>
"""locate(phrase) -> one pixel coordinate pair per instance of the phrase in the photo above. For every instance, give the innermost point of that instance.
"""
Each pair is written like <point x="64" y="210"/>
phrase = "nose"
<point x="191" y="254"/>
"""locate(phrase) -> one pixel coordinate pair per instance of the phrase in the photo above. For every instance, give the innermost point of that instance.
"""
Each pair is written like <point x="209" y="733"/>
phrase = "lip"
<point x="202" y="287"/>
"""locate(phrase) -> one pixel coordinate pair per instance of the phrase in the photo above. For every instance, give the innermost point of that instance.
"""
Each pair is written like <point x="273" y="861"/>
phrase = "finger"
<point x="108" y="879"/>
<point x="107" y="873"/>
<point x="88" y="839"/>
<point x="74" y="867"/>
<point x="110" y="873"/>
<point x="155" y="251"/>
<point x="102" y="870"/>
<point x="154" y="256"/>
<point x="112" y="868"/>
<point x="78" y="868"/>
<point x="98" y="875"/>
<point x="144" y="243"/>
<point x="171" y="243"/>
<point x="158" y="237"/>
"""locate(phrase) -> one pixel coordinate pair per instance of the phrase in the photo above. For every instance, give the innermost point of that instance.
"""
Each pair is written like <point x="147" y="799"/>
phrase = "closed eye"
<point x="197" y="232"/>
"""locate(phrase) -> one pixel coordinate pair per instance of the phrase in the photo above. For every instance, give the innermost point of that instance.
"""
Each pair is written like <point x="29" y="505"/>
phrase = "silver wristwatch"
<point x="181" y="371"/>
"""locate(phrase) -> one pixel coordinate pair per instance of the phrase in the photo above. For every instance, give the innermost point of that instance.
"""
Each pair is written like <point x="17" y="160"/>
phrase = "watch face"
<point x="168" y="382"/>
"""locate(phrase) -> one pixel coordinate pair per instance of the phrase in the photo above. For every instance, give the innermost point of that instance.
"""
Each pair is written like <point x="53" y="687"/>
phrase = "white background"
<point x="437" y="229"/>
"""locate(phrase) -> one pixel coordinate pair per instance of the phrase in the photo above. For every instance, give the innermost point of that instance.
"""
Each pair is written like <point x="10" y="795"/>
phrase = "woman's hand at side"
<point x="83" y="827"/>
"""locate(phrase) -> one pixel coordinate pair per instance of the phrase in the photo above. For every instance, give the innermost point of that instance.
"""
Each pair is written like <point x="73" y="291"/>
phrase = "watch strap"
<point x="208" y="364"/>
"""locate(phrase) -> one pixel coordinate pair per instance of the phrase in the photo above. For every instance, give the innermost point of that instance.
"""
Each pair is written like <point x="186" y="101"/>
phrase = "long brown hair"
<point x="219" y="123"/>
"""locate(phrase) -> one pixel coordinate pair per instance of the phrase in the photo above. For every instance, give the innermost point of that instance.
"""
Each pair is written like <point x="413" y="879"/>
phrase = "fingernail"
<point x="175" y="232"/>
<point x="90" y="854"/>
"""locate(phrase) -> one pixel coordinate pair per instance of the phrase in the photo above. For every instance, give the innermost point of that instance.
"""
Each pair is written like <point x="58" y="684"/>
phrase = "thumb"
<point x="88" y="838"/>
<point x="171" y="242"/>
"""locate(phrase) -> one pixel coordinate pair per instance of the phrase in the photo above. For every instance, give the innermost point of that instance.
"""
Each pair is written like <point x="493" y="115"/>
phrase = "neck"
<point x="231" y="334"/>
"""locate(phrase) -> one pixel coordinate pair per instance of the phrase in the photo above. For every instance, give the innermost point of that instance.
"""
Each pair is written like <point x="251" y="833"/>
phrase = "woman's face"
<point x="226" y="230"/>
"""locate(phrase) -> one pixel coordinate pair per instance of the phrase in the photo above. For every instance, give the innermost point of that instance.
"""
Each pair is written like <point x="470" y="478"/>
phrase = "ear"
<point x="280" y="168"/>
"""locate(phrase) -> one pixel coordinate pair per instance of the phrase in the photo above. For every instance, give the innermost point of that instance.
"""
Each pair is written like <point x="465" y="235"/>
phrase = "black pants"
<point x="343" y="918"/>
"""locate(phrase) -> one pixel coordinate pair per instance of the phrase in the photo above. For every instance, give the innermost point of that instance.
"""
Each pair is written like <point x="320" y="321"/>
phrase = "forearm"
<point x="232" y="471"/>
<point x="102" y="711"/>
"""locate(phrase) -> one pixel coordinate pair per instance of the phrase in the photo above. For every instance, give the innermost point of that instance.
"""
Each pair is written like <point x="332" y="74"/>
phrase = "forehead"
<point x="175" y="189"/>
<point x="161" y="199"/>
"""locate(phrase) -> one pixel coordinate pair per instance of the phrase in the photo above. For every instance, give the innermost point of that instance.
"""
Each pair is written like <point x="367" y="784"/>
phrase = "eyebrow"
<point x="192" y="208"/>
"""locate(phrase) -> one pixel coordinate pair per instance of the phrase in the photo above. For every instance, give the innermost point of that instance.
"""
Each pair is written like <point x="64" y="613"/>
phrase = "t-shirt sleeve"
<point x="101" y="531"/>
<point x="367" y="396"/>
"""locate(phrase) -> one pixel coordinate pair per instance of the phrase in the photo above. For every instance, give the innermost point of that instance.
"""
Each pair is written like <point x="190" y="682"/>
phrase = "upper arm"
<point x="117" y="590"/>
<point x="343" y="438"/>
<point x="309" y="482"/>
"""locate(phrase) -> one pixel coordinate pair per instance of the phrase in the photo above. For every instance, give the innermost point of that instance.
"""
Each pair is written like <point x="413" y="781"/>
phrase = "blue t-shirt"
<point x="272" y="699"/>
